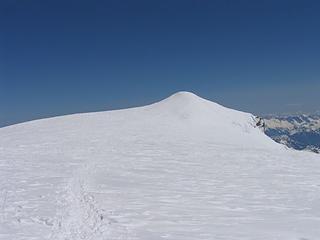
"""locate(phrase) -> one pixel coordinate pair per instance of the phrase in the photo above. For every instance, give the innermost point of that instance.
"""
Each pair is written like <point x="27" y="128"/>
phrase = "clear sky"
<point x="59" y="57"/>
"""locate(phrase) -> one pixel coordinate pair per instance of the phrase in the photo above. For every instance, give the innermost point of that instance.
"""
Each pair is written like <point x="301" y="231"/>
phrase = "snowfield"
<point x="183" y="168"/>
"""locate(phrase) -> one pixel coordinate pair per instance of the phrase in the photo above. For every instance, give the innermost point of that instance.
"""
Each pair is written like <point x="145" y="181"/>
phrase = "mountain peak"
<point x="184" y="98"/>
<point x="184" y="94"/>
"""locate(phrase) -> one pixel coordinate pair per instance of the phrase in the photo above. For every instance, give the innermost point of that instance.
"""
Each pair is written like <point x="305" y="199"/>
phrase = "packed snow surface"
<point x="183" y="168"/>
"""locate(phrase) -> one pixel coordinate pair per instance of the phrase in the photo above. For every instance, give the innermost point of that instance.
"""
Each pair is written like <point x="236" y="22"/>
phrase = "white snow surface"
<point x="183" y="168"/>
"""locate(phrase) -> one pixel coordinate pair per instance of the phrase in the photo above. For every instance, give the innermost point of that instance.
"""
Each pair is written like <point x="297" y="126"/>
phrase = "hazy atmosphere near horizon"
<point x="62" y="57"/>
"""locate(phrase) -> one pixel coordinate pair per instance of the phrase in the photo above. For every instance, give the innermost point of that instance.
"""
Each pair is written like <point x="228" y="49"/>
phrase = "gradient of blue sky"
<point x="59" y="57"/>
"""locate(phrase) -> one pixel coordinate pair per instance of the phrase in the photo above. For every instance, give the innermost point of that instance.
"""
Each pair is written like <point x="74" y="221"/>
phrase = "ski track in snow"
<point x="155" y="173"/>
<point x="82" y="218"/>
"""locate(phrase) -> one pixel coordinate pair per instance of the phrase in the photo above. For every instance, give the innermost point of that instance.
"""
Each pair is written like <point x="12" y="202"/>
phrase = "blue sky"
<point x="59" y="57"/>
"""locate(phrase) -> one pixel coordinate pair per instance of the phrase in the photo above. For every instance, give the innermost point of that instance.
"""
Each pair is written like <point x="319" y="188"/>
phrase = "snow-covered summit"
<point x="184" y="98"/>
<point x="184" y="168"/>
<point x="188" y="101"/>
<point x="194" y="115"/>
<point x="183" y="114"/>
<point x="189" y="104"/>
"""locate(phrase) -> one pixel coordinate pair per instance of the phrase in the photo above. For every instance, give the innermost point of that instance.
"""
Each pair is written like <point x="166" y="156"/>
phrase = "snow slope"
<point x="182" y="168"/>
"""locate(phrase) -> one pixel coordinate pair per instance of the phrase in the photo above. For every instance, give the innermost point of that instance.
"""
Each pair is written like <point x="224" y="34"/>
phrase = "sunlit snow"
<point x="183" y="168"/>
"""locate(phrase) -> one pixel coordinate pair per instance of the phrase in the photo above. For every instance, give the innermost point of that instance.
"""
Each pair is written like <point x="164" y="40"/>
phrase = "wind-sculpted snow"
<point x="183" y="168"/>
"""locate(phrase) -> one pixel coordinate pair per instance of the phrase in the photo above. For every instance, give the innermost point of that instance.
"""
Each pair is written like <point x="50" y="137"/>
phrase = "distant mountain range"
<point x="300" y="132"/>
